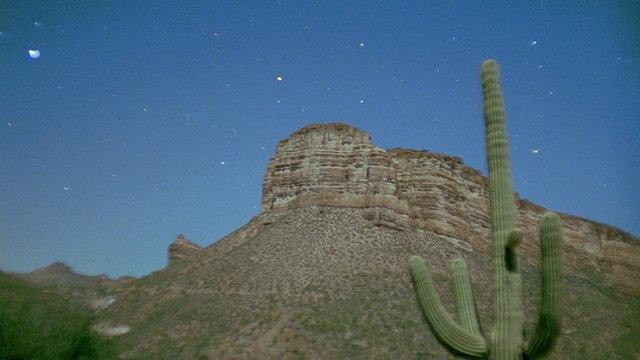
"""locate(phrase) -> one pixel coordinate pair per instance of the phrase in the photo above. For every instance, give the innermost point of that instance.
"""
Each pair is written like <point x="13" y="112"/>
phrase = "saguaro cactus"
<point x="506" y="341"/>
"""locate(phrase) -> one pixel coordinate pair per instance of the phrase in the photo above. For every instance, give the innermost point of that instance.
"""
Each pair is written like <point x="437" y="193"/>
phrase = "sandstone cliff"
<point x="338" y="165"/>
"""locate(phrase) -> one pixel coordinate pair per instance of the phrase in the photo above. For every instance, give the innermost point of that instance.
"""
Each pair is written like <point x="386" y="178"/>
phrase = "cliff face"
<point x="338" y="165"/>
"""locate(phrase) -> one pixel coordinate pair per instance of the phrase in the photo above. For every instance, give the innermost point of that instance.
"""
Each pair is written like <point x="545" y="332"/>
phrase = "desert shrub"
<point x="39" y="324"/>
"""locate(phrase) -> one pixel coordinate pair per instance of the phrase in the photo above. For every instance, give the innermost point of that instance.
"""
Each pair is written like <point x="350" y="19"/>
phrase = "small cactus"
<point x="506" y="342"/>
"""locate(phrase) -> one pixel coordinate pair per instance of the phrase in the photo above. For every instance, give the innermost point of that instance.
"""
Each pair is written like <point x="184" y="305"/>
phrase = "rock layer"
<point x="338" y="165"/>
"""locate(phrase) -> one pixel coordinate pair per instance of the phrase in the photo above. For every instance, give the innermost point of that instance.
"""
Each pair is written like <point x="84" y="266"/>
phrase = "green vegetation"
<point x="507" y="340"/>
<point x="36" y="323"/>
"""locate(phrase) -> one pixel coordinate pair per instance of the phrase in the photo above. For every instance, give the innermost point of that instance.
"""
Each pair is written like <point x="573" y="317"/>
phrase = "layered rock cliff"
<point x="338" y="165"/>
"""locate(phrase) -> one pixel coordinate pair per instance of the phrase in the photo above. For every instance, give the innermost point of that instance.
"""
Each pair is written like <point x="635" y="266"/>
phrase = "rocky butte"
<point x="338" y="165"/>
<point x="321" y="272"/>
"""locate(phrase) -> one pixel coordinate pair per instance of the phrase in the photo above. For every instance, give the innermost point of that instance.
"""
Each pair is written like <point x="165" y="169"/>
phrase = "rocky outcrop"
<point x="181" y="249"/>
<point x="338" y="165"/>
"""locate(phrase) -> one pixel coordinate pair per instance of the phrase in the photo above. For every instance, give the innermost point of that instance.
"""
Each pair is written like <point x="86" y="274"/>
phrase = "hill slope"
<point x="322" y="271"/>
<point x="323" y="282"/>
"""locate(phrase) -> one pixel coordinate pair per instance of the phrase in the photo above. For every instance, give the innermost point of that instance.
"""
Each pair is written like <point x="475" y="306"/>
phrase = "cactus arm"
<point x="463" y="294"/>
<point x="442" y="325"/>
<point x="511" y="256"/>
<point x="549" y="324"/>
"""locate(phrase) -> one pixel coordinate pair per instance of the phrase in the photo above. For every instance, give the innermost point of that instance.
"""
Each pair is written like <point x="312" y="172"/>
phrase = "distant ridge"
<point x="59" y="274"/>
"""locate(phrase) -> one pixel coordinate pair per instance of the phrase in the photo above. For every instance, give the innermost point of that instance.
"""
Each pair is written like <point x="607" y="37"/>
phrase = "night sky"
<point x="130" y="122"/>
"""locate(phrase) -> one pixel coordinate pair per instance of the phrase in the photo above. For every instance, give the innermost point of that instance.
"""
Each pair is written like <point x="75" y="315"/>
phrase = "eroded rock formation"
<point x="338" y="165"/>
<point x="182" y="248"/>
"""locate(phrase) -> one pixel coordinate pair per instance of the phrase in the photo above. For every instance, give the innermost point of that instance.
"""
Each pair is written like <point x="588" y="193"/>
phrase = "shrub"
<point x="39" y="324"/>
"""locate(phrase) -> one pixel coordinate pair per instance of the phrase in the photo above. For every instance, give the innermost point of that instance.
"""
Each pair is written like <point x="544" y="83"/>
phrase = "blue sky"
<point x="143" y="120"/>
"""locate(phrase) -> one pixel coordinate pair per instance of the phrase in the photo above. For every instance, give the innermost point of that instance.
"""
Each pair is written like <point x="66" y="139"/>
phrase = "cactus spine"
<point x="506" y="342"/>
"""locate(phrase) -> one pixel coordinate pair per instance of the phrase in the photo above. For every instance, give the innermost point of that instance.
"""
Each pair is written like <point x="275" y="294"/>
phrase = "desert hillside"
<point x="321" y="272"/>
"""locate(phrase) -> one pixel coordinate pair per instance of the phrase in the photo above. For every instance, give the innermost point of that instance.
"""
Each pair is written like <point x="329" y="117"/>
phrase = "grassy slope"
<point x="36" y="323"/>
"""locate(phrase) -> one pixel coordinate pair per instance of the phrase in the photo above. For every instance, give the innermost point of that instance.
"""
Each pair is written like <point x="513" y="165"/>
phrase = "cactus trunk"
<point x="506" y="338"/>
